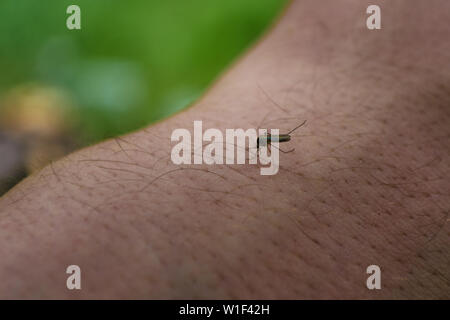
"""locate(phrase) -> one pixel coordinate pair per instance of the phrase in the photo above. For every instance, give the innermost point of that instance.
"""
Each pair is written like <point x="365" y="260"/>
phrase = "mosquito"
<point x="265" y="140"/>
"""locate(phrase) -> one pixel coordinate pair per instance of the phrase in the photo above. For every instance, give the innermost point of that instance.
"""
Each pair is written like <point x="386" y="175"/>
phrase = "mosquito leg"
<point x="289" y="151"/>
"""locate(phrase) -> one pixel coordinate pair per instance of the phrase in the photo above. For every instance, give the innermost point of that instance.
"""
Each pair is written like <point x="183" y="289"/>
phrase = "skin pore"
<point x="367" y="183"/>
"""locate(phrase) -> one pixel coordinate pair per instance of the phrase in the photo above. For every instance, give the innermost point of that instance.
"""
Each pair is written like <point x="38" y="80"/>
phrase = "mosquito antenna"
<point x="297" y="127"/>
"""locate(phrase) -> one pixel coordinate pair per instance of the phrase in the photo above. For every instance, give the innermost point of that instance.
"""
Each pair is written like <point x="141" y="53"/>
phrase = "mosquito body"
<point x="267" y="139"/>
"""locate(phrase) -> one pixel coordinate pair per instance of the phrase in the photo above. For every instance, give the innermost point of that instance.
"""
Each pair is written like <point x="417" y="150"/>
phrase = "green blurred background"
<point x="132" y="63"/>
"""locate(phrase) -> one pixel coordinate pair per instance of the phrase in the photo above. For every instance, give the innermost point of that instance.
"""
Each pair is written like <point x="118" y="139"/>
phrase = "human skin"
<point x="367" y="183"/>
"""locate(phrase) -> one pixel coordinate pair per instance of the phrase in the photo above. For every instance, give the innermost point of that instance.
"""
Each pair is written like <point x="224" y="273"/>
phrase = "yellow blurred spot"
<point x="35" y="110"/>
